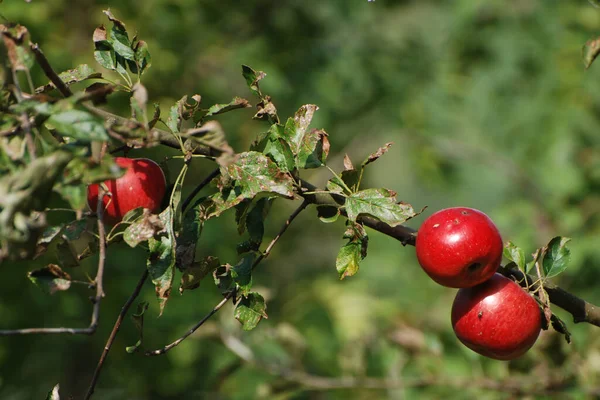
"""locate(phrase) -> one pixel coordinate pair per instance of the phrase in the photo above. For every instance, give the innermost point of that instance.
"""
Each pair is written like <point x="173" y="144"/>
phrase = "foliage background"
<point x="489" y="106"/>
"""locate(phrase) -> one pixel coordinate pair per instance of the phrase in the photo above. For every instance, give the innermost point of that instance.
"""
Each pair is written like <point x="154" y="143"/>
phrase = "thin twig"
<point x="113" y="334"/>
<point x="49" y="71"/>
<point x="193" y="329"/>
<point x="98" y="283"/>
<point x="229" y="295"/>
<point x="198" y="188"/>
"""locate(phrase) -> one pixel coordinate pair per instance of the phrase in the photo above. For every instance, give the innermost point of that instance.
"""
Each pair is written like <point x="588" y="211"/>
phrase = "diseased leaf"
<point x="352" y="253"/>
<point x="515" y="254"/>
<point x="223" y="279"/>
<point x="242" y="272"/>
<point x="236" y="103"/>
<point x="104" y="52"/>
<point x="138" y="320"/>
<point x="590" y="51"/>
<point x="193" y="274"/>
<point x="378" y="203"/>
<point x="138" y="102"/>
<point x="252" y="78"/>
<point x="250" y="310"/>
<point x="314" y="149"/>
<point x="146" y="227"/>
<point x="50" y="278"/>
<point x="374" y="156"/>
<point x="53" y="394"/>
<point x="273" y="145"/>
<point x="80" y="125"/>
<point x="119" y="39"/>
<point x="161" y="259"/>
<point x="16" y="40"/>
<point x="252" y="173"/>
<point x="348" y="166"/>
<point x="296" y="127"/>
<point x="557" y="257"/>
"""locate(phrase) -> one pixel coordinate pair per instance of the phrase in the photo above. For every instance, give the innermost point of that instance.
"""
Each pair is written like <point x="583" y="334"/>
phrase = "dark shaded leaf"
<point x="138" y="321"/>
<point x="252" y="78"/>
<point x="119" y="39"/>
<point x="142" y="56"/>
<point x="189" y="236"/>
<point x="223" y="279"/>
<point x="53" y="394"/>
<point x="242" y="272"/>
<point x="378" y="203"/>
<point x="193" y="274"/>
<point x="557" y="257"/>
<point x="50" y="279"/>
<point x="250" y="310"/>
<point x="328" y="214"/>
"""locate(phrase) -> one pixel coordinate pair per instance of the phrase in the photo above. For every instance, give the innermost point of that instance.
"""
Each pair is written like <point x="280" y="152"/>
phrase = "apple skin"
<point x="459" y="247"/>
<point x="143" y="185"/>
<point x="496" y="319"/>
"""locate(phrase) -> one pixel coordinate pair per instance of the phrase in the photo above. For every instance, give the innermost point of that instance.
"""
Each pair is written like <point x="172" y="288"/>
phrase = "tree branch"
<point x="113" y="334"/>
<point x="229" y="295"/>
<point x="198" y="188"/>
<point x="91" y="329"/>
<point x="49" y="71"/>
<point x="581" y="310"/>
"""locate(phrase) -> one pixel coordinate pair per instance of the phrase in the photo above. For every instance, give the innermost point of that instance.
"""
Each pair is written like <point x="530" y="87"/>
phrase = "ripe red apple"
<point x="496" y="319"/>
<point x="143" y="185"/>
<point x="459" y="247"/>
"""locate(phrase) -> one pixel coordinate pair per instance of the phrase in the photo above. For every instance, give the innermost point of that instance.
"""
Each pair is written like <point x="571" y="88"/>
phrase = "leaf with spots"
<point x="296" y="127"/>
<point x="250" y="310"/>
<point x="252" y="78"/>
<point x="352" y="253"/>
<point x="380" y="204"/>
<point x="50" y="278"/>
<point x="196" y="272"/>
<point x="314" y="149"/>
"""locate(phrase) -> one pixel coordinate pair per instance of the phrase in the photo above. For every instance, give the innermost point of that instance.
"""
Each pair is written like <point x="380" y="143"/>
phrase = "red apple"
<point x="143" y="185"/>
<point x="496" y="319"/>
<point x="459" y="247"/>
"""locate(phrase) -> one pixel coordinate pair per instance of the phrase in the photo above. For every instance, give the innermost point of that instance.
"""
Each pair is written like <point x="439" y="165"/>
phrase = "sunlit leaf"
<point x="146" y="227"/>
<point x="80" y="125"/>
<point x="378" y="203"/>
<point x="252" y="78"/>
<point x="236" y="103"/>
<point x="250" y="310"/>
<point x="515" y="254"/>
<point x="557" y="257"/>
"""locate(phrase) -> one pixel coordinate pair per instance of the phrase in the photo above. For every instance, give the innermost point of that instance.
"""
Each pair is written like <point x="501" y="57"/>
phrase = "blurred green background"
<point x="488" y="105"/>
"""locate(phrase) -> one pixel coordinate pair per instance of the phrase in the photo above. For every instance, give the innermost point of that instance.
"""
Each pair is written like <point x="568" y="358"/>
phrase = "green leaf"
<point x="250" y="310"/>
<point x="314" y="149"/>
<point x="236" y="103"/>
<point x="352" y="253"/>
<point x="138" y="320"/>
<point x="66" y="254"/>
<point x="242" y="272"/>
<point x="378" y="203"/>
<point x="255" y="221"/>
<point x="104" y="52"/>
<point x="53" y="394"/>
<point x="145" y="228"/>
<point x="515" y="254"/>
<point x="590" y="51"/>
<point x="161" y="259"/>
<point x="80" y="125"/>
<point x="295" y="128"/>
<point x="76" y="195"/>
<point x="252" y="78"/>
<point x="557" y="257"/>
<point x="50" y="278"/>
<point x="196" y="272"/>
